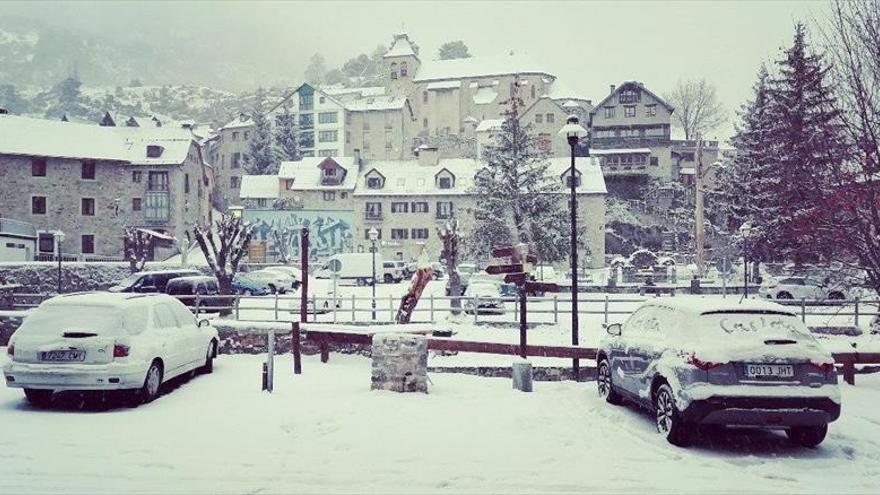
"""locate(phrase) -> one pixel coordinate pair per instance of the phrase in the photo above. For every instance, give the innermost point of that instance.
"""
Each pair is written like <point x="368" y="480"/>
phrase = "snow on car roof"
<point x="699" y="305"/>
<point x="99" y="299"/>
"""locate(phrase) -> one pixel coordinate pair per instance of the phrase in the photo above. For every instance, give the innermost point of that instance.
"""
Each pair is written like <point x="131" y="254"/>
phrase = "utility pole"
<point x="699" y="222"/>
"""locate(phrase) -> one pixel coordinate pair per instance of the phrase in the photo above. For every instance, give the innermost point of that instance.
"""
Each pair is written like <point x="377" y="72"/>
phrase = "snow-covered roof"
<point x="697" y="305"/>
<point x="51" y="138"/>
<point x="485" y="95"/>
<point x="629" y="84"/>
<point x="437" y="85"/>
<point x="400" y="47"/>
<point x="408" y="177"/>
<point x="489" y="125"/>
<point x="240" y="121"/>
<point x="432" y="70"/>
<point x="619" y="151"/>
<point x="259" y="187"/>
<point x="561" y="91"/>
<point x="687" y="171"/>
<point x="346" y="95"/>
<point x="378" y="103"/>
<point x="306" y="174"/>
<point x="592" y="178"/>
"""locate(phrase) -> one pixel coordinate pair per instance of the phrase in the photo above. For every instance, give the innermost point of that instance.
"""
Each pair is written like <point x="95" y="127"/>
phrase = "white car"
<point x="287" y="272"/>
<point x="483" y="297"/>
<point x="800" y="288"/>
<point x="320" y="297"/>
<point x="101" y="341"/>
<point x="393" y="271"/>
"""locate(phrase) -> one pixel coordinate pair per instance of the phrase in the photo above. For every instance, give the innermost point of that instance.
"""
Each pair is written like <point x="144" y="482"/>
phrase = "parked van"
<point x="354" y="267"/>
<point x="155" y="281"/>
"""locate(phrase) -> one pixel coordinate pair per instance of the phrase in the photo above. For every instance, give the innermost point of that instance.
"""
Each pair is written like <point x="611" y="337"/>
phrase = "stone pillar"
<point x="522" y="375"/>
<point x="400" y="362"/>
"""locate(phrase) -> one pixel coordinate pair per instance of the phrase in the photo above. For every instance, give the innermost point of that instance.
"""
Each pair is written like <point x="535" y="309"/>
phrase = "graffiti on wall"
<point x="330" y="232"/>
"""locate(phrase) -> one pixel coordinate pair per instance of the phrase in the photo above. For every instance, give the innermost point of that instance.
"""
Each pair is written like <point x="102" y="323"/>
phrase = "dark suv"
<point x="155" y="281"/>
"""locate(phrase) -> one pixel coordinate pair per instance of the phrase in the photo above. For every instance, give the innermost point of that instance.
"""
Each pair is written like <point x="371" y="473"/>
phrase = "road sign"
<point x="334" y="265"/>
<point x="515" y="278"/>
<point x="540" y="287"/>
<point x="499" y="269"/>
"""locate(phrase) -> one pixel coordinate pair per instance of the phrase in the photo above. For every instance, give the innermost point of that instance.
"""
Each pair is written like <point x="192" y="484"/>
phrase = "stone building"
<point x="91" y="181"/>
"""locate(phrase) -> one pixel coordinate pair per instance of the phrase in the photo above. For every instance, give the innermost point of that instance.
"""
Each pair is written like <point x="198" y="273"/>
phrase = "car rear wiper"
<point x="78" y="335"/>
<point x="780" y="341"/>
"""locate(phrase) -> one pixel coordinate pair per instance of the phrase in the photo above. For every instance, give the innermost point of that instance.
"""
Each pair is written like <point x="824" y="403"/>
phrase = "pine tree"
<point x="260" y="156"/>
<point x="287" y="135"/>
<point x="518" y="200"/>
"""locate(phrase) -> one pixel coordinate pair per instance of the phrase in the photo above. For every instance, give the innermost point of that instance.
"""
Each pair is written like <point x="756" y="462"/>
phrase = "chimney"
<point x="428" y="155"/>
<point x="356" y="153"/>
<point x="612" y="89"/>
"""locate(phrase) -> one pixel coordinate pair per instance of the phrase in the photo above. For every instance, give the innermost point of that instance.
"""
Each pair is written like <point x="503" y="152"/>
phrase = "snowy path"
<point x="326" y="432"/>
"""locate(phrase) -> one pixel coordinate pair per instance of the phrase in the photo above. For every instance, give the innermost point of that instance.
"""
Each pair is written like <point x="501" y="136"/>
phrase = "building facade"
<point x="91" y="182"/>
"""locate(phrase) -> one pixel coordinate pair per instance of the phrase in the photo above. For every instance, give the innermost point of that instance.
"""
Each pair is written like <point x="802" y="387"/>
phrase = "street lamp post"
<point x="573" y="133"/>
<point x="374" y="235"/>
<point x="745" y="230"/>
<point x="59" y="238"/>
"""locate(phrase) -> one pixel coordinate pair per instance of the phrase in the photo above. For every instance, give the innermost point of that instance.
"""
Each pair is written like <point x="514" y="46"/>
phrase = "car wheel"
<point x="603" y="381"/>
<point x="807" y="436"/>
<point x="272" y="289"/>
<point x="39" y="398"/>
<point x="388" y="279"/>
<point x="668" y="419"/>
<point x="247" y="292"/>
<point x="361" y="282"/>
<point x="208" y="367"/>
<point x="835" y="296"/>
<point x="784" y="295"/>
<point x="152" y="382"/>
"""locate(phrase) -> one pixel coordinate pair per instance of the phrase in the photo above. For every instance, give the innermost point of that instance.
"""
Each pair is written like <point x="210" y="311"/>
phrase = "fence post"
<point x="276" y="319"/>
<point x="237" y="304"/>
<point x="555" y="308"/>
<point x="353" y="310"/>
<point x="314" y="307"/>
<point x="857" y="313"/>
<point x="197" y="304"/>
<point x="606" y="309"/>
<point x="849" y="372"/>
<point x="432" y="306"/>
<point x="391" y="307"/>
<point x="476" y="307"/>
<point x="270" y="361"/>
<point x="294" y="347"/>
<point x="803" y="310"/>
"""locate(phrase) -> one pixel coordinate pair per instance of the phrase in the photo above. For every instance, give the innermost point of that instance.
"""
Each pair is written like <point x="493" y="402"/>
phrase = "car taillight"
<point x="120" y="350"/>
<point x="824" y="367"/>
<point x="700" y="364"/>
<point x="11" y="350"/>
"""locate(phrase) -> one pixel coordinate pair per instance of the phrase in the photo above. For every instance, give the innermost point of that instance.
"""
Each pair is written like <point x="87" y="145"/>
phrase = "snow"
<point x="438" y="85"/>
<point x="700" y="305"/>
<point x="619" y="151"/>
<point x="484" y="96"/>
<point x="259" y="186"/>
<point x="401" y="47"/>
<point x="325" y="431"/>
<point x="433" y="70"/>
<point x="306" y="174"/>
<point x="407" y="177"/>
<point x="489" y="124"/>
<point x="376" y="103"/>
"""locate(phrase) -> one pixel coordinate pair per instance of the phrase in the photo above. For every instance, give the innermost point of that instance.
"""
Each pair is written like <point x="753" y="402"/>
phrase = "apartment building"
<point x="91" y="182"/>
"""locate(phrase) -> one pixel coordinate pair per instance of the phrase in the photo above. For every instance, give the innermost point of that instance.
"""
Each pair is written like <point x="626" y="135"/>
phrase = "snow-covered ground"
<point x="325" y="431"/>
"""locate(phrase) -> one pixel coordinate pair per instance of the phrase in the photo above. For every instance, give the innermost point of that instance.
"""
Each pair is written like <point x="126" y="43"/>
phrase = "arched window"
<point x="393" y="70"/>
<point x="403" y="69"/>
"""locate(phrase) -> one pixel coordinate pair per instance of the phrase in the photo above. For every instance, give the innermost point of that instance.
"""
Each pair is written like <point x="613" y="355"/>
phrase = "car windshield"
<point x="130" y="280"/>
<point x="55" y="320"/>
<point x="764" y="324"/>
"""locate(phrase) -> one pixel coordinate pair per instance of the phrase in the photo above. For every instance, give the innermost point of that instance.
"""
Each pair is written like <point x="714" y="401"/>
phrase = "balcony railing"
<point x="375" y="216"/>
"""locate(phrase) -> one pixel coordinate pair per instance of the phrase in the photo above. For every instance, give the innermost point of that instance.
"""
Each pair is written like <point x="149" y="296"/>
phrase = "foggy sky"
<point x="588" y="45"/>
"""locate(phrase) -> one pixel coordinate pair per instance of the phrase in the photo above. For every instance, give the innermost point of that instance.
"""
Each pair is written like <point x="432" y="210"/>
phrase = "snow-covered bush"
<point x="642" y="259"/>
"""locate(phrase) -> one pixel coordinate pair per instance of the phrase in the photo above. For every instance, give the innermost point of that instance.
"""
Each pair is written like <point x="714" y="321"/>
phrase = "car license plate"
<point x="769" y="371"/>
<point x="71" y="355"/>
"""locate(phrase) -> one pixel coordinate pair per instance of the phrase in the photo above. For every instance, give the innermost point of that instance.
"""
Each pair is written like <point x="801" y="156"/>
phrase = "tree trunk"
<point x="454" y="285"/>
<point x="224" y="284"/>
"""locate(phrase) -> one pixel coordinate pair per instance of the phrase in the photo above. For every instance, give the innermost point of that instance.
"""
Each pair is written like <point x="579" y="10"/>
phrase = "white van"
<point x="354" y="267"/>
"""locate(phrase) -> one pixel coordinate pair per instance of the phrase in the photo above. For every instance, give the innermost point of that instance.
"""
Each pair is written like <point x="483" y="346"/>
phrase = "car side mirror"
<point x="614" y="329"/>
<point x="204" y="323"/>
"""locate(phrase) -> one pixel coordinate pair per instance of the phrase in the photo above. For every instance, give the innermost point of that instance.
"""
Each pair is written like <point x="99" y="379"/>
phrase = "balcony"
<point x="157" y="207"/>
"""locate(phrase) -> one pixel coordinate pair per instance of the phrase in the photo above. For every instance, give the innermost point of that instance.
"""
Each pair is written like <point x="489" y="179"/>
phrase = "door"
<point x="191" y="334"/>
<point x="174" y="344"/>
<point x="622" y="351"/>
<point x="648" y="345"/>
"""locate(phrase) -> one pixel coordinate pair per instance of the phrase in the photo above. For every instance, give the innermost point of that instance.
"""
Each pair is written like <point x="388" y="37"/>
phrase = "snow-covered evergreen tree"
<point x="518" y="201"/>
<point x="287" y="134"/>
<point x="260" y="157"/>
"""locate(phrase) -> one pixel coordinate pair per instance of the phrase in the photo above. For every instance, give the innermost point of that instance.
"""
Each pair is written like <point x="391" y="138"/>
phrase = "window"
<point x="247" y="135"/>
<point x="235" y="135"/>
<point x="374" y="183"/>
<point x="403" y="69"/>
<point x="136" y="204"/>
<point x="38" y="205"/>
<point x="47" y="242"/>
<point x="87" y="207"/>
<point x="629" y="111"/>
<point x="328" y="152"/>
<point x="87" y="243"/>
<point x="236" y="161"/>
<point x="650" y="110"/>
<point x="419" y="233"/>
<point x="87" y="170"/>
<point x="306" y="119"/>
<point x="157" y="181"/>
<point x="399" y="207"/>
<point x="424" y="97"/>
<point x="577" y="181"/>
<point x="655" y="161"/>
<point x="609" y="112"/>
<point x="38" y="167"/>
<point x="322" y="100"/>
<point x="157" y="207"/>
<point x="444" y="183"/>
<point x="367" y="234"/>
<point x="393" y="70"/>
<point x="347" y="137"/>
<point x="539" y="118"/>
<point x="306" y="100"/>
<point x="551" y="118"/>
<point x="327" y="118"/>
<point x="136" y="176"/>
<point x="373" y="210"/>
<point x="234" y="182"/>
<point x="327" y="136"/>
<point x="399" y="234"/>
<point x="630" y="96"/>
<point x="186" y="183"/>
<point x="533" y="91"/>
<point x="420" y="207"/>
<point x="444" y="209"/>
<point x="329" y="196"/>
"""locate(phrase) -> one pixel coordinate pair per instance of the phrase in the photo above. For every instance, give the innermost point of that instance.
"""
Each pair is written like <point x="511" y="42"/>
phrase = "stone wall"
<point x="37" y="278"/>
<point x="8" y="324"/>
<point x="400" y="362"/>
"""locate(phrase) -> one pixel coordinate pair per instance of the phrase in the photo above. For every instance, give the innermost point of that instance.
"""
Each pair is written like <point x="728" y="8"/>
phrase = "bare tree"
<point x="282" y="244"/>
<point x="449" y="236"/>
<point x="852" y="218"/>
<point x="136" y="246"/>
<point x="224" y="250"/>
<point x="697" y="109"/>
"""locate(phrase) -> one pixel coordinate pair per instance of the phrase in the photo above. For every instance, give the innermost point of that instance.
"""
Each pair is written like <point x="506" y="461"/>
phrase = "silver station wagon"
<point x="700" y="361"/>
